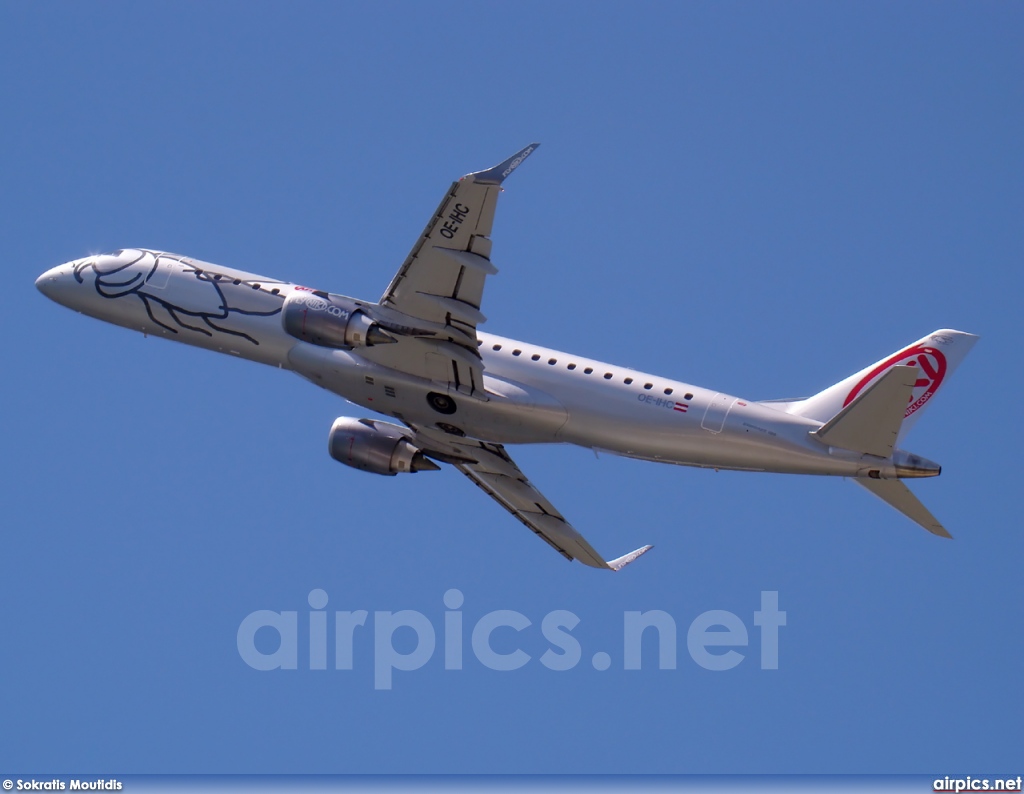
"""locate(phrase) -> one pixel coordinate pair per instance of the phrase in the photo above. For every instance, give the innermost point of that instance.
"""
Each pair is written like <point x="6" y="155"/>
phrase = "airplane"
<point x="460" y="395"/>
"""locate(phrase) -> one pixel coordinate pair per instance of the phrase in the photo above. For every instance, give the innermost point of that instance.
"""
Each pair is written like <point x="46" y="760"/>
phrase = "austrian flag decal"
<point x="929" y="360"/>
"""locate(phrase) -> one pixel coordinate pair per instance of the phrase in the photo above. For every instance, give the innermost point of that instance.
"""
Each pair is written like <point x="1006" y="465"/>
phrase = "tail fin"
<point x="936" y="356"/>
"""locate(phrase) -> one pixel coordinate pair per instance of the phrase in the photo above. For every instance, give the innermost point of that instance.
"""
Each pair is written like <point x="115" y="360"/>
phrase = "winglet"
<point x="501" y="172"/>
<point x="626" y="559"/>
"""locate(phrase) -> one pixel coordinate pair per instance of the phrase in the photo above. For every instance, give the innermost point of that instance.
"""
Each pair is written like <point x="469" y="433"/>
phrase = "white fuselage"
<point x="534" y="394"/>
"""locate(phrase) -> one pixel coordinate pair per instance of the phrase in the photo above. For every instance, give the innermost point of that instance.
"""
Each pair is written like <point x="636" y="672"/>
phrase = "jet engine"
<point x="378" y="447"/>
<point x="330" y="321"/>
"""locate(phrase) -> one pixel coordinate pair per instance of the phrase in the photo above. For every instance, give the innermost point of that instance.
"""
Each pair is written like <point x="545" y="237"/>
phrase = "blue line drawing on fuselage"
<point x="120" y="275"/>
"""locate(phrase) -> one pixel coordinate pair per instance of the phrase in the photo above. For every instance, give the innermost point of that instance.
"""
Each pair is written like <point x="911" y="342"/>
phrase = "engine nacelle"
<point x="330" y="321"/>
<point x="378" y="447"/>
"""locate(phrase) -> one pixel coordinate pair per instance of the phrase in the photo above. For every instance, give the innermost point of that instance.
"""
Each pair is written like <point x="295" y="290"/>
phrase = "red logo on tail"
<point x="929" y="360"/>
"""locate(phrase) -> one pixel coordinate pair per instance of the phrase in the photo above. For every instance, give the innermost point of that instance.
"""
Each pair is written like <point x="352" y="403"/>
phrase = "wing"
<point x="441" y="283"/>
<point x="491" y="468"/>
<point x="442" y="279"/>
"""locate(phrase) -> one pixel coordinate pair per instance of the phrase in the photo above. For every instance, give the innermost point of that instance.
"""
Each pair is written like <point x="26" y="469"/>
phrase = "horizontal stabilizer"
<point x="902" y="498"/>
<point x="871" y="423"/>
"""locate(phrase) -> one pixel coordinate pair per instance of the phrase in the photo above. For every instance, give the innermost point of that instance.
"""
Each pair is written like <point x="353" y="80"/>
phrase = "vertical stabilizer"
<point x="936" y="356"/>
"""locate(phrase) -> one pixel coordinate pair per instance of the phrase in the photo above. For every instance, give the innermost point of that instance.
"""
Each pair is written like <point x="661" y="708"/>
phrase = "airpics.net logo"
<point x="406" y="640"/>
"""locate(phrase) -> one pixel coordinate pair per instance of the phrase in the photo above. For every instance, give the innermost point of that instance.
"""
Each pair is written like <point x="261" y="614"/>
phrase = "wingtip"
<point x="501" y="172"/>
<point x="626" y="559"/>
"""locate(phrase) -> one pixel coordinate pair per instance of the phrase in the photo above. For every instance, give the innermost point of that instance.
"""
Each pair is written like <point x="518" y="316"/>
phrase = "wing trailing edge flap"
<point x="871" y="423"/>
<point x="459" y="311"/>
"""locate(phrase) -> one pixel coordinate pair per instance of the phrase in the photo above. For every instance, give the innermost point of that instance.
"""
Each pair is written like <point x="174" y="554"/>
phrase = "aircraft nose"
<point x="55" y="282"/>
<point x="44" y="282"/>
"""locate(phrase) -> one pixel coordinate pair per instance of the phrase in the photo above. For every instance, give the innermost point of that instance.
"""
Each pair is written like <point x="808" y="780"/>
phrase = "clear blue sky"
<point x="758" y="198"/>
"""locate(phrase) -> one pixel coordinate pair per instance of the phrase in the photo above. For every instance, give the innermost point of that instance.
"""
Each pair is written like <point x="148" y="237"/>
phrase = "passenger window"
<point x="516" y="352"/>
<point x="552" y="361"/>
<point x="607" y="376"/>
<point x="687" y="396"/>
<point x="588" y="370"/>
<point x="627" y="381"/>
<point x="648" y="385"/>
<point x="496" y="347"/>
<point x="535" y="357"/>
<point x="571" y="366"/>
<point x="668" y="391"/>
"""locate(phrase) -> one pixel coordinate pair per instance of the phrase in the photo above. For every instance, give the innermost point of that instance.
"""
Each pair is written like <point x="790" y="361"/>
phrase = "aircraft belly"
<point x="751" y="440"/>
<point x="512" y="414"/>
<point x="675" y="423"/>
